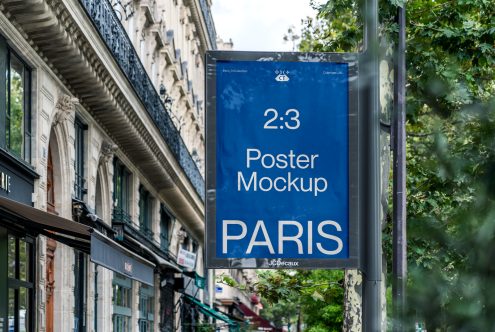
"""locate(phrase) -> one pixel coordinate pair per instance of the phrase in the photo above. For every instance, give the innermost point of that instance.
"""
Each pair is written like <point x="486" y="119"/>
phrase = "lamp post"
<point x="399" y="240"/>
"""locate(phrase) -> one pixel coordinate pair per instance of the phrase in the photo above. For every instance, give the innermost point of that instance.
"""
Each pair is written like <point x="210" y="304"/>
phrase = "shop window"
<point x="15" y="117"/>
<point x="122" y="303"/>
<point x="80" y="182"/>
<point x="121" y="192"/>
<point x="189" y="317"/>
<point x="20" y="275"/>
<point x="80" y="291"/>
<point x="145" y="214"/>
<point x="146" y="308"/>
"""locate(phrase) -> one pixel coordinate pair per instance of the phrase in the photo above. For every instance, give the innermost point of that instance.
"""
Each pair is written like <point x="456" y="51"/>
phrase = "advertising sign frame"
<point x="352" y="260"/>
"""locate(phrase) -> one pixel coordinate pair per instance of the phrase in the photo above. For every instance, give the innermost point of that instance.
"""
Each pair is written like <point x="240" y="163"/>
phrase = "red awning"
<point x="261" y="323"/>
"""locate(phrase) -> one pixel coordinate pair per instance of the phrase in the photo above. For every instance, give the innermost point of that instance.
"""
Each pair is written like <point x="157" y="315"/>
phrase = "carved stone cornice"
<point x="181" y="235"/>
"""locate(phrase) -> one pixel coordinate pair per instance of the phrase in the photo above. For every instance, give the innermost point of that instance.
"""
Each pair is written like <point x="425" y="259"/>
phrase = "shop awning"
<point x="61" y="229"/>
<point x="211" y="312"/>
<point x="115" y="257"/>
<point x="104" y="251"/>
<point x="159" y="260"/>
<point x="261" y="323"/>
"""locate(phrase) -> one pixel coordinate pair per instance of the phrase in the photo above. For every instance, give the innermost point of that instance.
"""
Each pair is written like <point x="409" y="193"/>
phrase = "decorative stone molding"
<point x="108" y="150"/>
<point x="64" y="108"/>
<point x="181" y="236"/>
<point x="51" y="246"/>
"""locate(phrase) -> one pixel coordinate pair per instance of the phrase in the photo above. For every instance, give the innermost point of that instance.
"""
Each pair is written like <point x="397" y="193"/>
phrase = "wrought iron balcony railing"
<point x="120" y="215"/>
<point x="146" y="231"/>
<point x="115" y="37"/>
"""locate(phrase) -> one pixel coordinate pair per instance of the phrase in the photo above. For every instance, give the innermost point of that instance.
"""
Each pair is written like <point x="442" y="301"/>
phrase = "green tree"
<point x="316" y="295"/>
<point x="450" y="149"/>
<point x="283" y="313"/>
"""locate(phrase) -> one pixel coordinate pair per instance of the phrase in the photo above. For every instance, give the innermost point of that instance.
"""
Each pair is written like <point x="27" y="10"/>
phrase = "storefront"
<point x="20" y="224"/>
<point x="17" y="249"/>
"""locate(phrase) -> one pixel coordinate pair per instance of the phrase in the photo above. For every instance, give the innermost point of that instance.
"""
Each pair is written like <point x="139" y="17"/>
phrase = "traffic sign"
<point x="281" y="160"/>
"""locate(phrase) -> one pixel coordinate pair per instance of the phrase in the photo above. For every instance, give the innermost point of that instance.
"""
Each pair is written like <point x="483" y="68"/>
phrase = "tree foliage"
<point x="316" y="294"/>
<point x="450" y="149"/>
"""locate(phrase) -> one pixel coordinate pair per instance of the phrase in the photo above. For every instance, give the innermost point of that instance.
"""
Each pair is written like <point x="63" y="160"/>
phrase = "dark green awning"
<point x="210" y="312"/>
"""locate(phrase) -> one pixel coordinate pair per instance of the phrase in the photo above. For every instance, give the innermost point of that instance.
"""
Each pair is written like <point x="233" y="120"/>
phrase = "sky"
<point x="259" y="25"/>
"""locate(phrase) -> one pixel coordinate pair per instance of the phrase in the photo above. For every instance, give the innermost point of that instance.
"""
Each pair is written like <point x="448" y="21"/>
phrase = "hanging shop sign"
<point x="186" y="258"/>
<point x="199" y="281"/>
<point x="281" y="160"/>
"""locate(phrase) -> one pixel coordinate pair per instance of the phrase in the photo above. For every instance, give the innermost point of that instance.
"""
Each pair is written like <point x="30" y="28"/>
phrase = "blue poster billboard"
<point x="278" y="189"/>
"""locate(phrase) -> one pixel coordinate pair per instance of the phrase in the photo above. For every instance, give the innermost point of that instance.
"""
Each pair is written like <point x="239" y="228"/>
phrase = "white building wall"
<point x="173" y="15"/>
<point x="48" y="90"/>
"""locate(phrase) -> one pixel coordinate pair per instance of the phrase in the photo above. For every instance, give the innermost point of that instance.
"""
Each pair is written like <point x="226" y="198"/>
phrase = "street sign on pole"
<point x="282" y="164"/>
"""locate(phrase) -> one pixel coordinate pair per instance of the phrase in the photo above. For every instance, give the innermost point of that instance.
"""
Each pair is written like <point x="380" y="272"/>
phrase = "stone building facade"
<point x="101" y="146"/>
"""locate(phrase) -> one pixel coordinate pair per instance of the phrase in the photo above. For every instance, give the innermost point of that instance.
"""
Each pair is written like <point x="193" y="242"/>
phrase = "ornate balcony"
<point x="116" y="39"/>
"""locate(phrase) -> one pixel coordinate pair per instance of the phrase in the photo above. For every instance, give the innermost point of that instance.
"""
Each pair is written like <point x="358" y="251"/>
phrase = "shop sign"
<point x="186" y="258"/>
<point x="5" y="182"/>
<point x="16" y="181"/>
<point x="199" y="281"/>
<point x="108" y="253"/>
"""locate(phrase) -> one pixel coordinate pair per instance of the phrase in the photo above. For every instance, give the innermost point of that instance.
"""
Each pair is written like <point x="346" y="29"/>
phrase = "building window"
<point x="79" y="183"/>
<point x="80" y="289"/>
<point x="195" y="246"/>
<point x="15" y="118"/>
<point x="122" y="303"/>
<point x="121" y="192"/>
<point x="189" y="317"/>
<point x="165" y="222"/>
<point x="146" y="308"/>
<point x="20" y="274"/>
<point x="186" y="242"/>
<point x="145" y="212"/>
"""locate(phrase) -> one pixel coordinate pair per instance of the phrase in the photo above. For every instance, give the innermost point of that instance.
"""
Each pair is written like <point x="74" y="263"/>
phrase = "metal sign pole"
<point x="372" y="272"/>
<point x="399" y="182"/>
